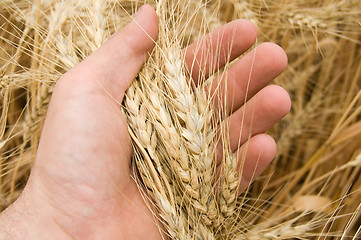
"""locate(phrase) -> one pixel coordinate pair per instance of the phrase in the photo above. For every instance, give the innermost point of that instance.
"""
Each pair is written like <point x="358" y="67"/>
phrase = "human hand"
<point x="81" y="184"/>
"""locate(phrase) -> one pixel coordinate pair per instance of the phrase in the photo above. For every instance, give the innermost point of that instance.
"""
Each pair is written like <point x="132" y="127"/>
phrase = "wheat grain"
<point x="135" y="107"/>
<point x="196" y="132"/>
<point x="322" y="86"/>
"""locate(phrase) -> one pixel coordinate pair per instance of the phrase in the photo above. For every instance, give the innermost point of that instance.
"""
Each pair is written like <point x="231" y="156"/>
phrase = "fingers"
<point x="117" y="62"/>
<point x="253" y="158"/>
<point x="224" y="44"/>
<point x="258" y="115"/>
<point x="254" y="149"/>
<point x="249" y="75"/>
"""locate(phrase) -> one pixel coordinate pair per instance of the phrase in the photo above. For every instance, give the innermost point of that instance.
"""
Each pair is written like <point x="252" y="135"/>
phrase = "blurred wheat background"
<point x="312" y="190"/>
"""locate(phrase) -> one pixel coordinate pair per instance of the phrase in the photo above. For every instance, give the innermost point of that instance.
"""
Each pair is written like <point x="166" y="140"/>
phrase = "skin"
<point x="81" y="186"/>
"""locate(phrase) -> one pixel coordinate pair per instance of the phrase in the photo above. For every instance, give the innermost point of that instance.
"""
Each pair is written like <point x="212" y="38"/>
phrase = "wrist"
<point x="12" y="223"/>
<point x="23" y="220"/>
<point x="16" y="222"/>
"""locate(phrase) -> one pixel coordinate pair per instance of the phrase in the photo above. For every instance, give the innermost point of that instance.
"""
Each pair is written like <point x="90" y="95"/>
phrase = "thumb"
<point x="83" y="124"/>
<point x="117" y="62"/>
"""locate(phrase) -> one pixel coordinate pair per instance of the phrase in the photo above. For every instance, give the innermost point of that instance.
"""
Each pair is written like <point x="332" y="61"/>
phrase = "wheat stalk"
<point x="322" y="41"/>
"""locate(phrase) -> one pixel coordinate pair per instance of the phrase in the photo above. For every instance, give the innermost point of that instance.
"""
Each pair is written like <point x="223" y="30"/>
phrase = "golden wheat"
<point x="170" y="119"/>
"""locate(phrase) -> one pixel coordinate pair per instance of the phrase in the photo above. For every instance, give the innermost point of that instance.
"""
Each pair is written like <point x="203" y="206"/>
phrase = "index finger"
<point x="223" y="45"/>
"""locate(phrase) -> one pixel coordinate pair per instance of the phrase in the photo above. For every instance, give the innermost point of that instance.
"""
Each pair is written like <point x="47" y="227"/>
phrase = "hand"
<point x="81" y="186"/>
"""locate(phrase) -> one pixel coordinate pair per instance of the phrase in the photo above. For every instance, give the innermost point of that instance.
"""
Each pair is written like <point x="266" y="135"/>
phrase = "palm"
<point x="95" y="172"/>
<point x="82" y="175"/>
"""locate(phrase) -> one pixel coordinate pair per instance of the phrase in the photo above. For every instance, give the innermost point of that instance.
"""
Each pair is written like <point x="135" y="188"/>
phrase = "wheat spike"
<point x="170" y="118"/>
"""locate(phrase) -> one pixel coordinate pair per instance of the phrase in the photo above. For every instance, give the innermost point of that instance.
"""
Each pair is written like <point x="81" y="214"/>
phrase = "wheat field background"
<point x="312" y="190"/>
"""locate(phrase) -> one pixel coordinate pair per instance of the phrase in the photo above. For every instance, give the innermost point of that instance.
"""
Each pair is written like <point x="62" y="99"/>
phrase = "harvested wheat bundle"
<point x="310" y="191"/>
